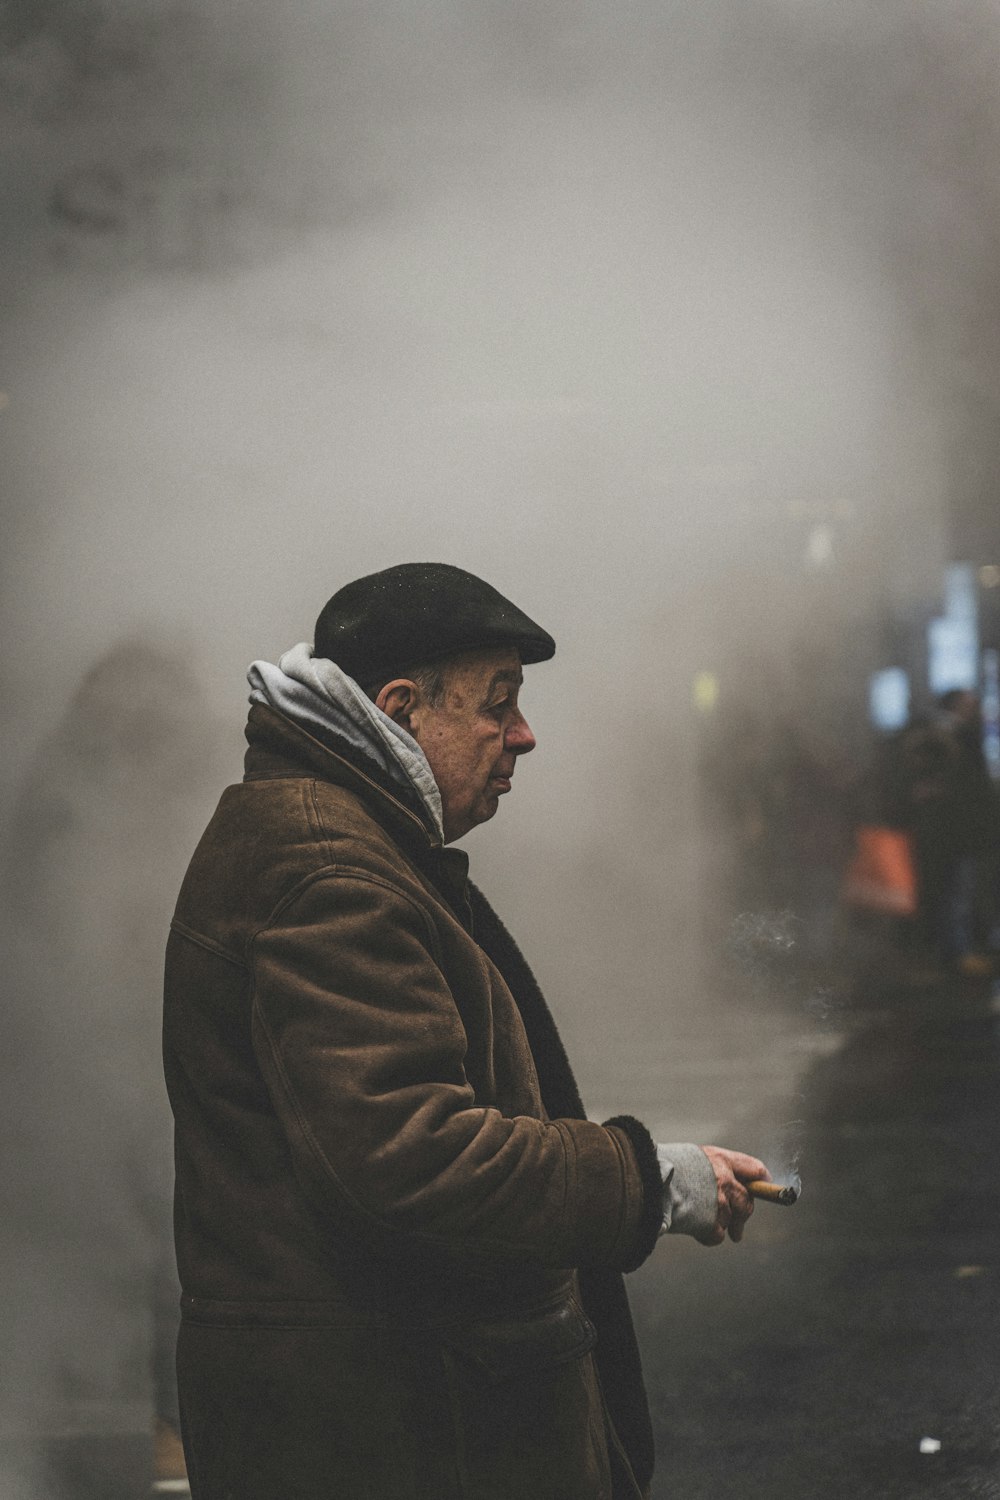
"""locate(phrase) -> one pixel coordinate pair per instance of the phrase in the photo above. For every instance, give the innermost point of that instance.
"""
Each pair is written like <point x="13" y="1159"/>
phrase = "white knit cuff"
<point x="690" y="1194"/>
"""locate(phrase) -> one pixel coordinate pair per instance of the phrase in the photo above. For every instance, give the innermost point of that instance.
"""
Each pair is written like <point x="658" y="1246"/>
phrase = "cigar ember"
<point x="774" y="1192"/>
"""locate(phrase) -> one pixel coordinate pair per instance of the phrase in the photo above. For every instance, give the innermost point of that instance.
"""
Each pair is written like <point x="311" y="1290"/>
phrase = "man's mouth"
<point x="501" y="783"/>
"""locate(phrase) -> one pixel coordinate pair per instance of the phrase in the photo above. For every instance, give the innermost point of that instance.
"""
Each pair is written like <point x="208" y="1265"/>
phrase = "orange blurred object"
<point x="881" y="876"/>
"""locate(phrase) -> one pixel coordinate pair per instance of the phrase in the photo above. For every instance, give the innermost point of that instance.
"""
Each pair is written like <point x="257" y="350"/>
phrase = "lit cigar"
<point x="774" y="1192"/>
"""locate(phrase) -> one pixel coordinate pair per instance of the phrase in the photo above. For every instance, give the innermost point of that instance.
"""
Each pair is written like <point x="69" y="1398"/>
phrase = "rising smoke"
<point x="99" y="837"/>
<point x="677" y="322"/>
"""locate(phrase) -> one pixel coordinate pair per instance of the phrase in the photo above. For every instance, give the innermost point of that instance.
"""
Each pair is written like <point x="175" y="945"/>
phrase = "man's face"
<point x="473" y="737"/>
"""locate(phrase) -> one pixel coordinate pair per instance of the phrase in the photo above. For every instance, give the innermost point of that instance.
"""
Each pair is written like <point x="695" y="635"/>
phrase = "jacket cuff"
<point x="690" y="1192"/>
<point x="651" y="1212"/>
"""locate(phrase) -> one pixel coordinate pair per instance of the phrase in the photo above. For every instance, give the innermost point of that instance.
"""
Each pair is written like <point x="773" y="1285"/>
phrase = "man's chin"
<point x="486" y="806"/>
<point x="483" y="811"/>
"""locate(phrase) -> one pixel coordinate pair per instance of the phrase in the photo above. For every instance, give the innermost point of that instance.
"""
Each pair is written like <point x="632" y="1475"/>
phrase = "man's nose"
<point x="519" y="737"/>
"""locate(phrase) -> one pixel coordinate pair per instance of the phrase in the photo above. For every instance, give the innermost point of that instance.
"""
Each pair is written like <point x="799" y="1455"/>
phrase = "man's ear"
<point x="397" y="700"/>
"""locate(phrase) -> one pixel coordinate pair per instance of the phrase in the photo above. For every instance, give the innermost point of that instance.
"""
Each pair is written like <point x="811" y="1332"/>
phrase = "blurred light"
<point x="960" y="592"/>
<point x="705" y="691"/>
<point x="889" y="698"/>
<point x="991" y="711"/>
<point x="989" y="576"/>
<point x="819" y="548"/>
<point x="952" y="654"/>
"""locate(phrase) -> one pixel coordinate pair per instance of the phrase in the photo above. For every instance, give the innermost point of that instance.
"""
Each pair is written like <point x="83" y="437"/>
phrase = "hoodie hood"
<point x="313" y="691"/>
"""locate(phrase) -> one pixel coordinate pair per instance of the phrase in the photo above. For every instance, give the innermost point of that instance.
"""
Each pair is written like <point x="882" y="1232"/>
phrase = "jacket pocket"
<point x="504" y="1348"/>
<point x="527" y="1408"/>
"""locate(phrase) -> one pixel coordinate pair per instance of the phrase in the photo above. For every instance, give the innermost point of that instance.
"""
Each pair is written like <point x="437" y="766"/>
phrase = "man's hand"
<point x="732" y="1169"/>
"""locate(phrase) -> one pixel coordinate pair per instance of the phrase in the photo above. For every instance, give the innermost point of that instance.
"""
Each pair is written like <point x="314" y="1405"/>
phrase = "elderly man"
<point x="400" y="1239"/>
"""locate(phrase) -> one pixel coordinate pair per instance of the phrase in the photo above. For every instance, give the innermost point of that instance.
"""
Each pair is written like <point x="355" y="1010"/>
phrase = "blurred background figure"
<point x="100" y="835"/>
<point x="956" y="823"/>
<point x="931" y="781"/>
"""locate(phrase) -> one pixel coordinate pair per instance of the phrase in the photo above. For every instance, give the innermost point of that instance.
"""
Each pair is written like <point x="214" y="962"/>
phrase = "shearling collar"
<point x="280" y="747"/>
<point x="317" y="695"/>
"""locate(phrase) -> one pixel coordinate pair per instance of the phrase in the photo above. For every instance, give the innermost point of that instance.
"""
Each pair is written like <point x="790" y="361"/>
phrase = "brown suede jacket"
<point x="386" y="1187"/>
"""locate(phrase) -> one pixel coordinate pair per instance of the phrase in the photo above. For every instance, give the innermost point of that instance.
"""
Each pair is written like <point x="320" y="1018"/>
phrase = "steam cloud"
<point x="676" y="322"/>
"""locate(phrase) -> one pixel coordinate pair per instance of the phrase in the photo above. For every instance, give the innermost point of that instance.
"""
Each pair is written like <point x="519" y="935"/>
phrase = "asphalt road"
<point x="813" y="1359"/>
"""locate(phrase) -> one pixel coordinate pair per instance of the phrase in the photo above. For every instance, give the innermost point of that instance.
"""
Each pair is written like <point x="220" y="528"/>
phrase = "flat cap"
<point x="377" y="626"/>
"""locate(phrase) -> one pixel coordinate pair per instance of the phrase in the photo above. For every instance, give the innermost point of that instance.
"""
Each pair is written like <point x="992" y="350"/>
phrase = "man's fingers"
<point x="751" y="1169"/>
<point x="742" y="1207"/>
<point x="746" y="1168"/>
<point x="740" y="1200"/>
<point x="733" y="1169"/>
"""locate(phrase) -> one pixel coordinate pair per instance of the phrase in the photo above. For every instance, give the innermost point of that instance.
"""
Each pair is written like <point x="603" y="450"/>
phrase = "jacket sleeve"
<point x="363" y="1048"/>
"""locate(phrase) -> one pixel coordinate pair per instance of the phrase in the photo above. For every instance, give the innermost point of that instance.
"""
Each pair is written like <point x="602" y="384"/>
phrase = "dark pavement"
<point x="812" y="1359"/>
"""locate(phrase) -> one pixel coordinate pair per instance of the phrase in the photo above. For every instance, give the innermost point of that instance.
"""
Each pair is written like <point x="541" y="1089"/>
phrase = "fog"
<point x="677" y="323"/>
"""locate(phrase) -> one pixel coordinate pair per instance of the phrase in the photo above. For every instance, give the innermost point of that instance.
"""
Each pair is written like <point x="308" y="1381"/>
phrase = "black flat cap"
<point x="376" y="627"/>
